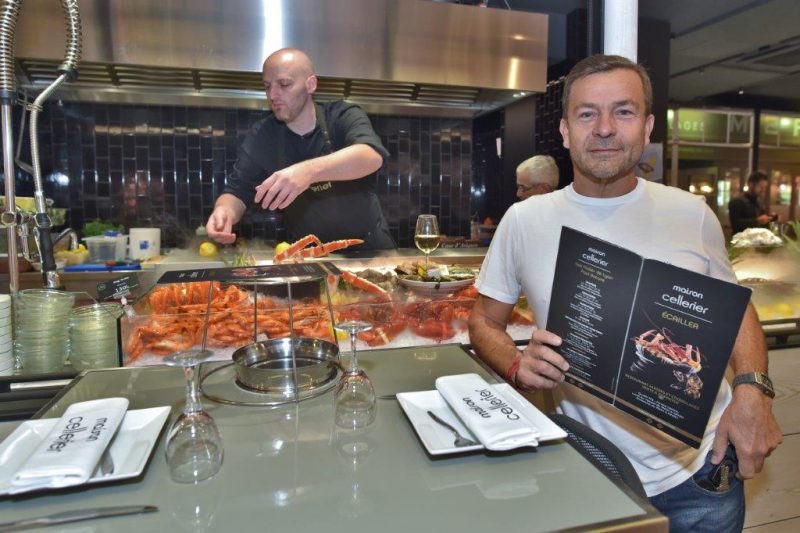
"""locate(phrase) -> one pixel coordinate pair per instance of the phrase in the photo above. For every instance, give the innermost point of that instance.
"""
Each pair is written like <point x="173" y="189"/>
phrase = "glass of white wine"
<point x="426" y="235"/>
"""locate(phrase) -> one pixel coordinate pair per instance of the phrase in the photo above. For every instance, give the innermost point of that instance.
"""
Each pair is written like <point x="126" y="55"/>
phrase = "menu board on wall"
<point x="648" y="337"/>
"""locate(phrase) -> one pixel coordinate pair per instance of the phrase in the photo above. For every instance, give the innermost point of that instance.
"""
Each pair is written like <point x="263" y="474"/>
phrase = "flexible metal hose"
<point x="9" y="12"/>
<point x="43" y="224"/>
<point x="72" y="54"/>
<point x="69" y="69"/>
<point x="36" y="107"/>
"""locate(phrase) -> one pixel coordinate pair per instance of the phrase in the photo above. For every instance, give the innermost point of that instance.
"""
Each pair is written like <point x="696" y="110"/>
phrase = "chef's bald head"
<point x="292" y="59"/>
<point x="289" y="82"/>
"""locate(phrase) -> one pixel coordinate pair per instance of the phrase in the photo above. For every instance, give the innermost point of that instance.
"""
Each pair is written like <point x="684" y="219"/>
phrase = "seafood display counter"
<point x="226" y="315"/>
<point x="773" y="274"/>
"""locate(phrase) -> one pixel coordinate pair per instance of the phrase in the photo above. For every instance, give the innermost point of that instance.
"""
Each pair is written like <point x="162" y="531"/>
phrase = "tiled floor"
<point x="773" y="497"/>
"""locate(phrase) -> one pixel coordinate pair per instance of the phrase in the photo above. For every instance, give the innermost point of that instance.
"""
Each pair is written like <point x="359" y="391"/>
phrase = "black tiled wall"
<point x="164" y="166"/>
<point x="488" y="166"/>
<point x="429" y="171"/>
<point x="548" y="137"/>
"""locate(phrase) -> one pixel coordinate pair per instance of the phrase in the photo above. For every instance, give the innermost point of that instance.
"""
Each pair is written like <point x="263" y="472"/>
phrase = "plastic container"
<point x="122" y="244"/>
<point x="145" y="242"/>
<point x="102" y="249"/>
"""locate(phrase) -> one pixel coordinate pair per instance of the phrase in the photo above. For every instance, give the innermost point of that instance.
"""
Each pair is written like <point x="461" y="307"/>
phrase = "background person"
<point x="747" y="210"/>
<point x="313" y="162"/>
<point x="536" y="175"/>
<point x="606" y="123"/>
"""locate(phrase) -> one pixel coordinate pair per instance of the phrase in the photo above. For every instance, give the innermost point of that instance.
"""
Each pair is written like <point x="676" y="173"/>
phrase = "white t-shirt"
<point x="653" y="220"/>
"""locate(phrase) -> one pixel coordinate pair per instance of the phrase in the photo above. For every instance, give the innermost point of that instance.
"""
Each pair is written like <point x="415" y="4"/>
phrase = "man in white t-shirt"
<point x="606" y="123"/>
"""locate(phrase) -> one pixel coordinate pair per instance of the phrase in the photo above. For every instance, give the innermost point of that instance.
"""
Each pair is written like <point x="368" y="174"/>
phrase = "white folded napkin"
<point x="497" y="424"/>
<point x="70" y="452"/>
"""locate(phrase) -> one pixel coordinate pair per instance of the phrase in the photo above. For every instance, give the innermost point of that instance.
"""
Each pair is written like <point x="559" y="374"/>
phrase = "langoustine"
<point x="179" y="319"/>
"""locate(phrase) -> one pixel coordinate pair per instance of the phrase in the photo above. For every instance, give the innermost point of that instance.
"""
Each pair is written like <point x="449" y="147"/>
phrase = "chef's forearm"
<point x="350" y="163"/>
<point x="750" y="349"/>
<point x="233" y="204"/>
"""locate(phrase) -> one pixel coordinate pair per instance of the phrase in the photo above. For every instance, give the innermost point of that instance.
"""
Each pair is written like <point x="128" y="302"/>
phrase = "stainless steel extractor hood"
<point x="390" y="56"/>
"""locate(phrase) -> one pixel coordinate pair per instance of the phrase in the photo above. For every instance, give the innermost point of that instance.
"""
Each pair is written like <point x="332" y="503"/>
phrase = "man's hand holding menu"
<point x="540" y="366"/>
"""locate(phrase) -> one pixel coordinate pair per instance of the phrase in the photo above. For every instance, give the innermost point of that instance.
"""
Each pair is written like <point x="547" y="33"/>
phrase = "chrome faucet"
<point x="26" y="231"/>
<point x="65" y="233"/>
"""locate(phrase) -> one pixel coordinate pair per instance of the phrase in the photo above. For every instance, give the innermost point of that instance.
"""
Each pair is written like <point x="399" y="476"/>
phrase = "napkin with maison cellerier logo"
<point x="497" y="424"/>
<point x="70" y="452"/>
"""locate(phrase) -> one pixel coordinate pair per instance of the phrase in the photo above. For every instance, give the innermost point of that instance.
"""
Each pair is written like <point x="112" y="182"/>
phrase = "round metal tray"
<point x="269" y="366"/>
<point x="220" y="385"/>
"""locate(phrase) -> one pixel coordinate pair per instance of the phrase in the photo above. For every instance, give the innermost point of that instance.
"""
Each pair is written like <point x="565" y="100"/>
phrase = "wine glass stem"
<point x="353" y="361"/>
<point x="192" y="399"/>
<point x="426" y="262"/>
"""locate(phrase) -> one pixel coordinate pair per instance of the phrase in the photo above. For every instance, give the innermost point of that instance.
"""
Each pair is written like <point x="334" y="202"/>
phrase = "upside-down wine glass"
<point x="354" y="399"/>
<point x="194" y="447"/>
<point x="426" y="235"/>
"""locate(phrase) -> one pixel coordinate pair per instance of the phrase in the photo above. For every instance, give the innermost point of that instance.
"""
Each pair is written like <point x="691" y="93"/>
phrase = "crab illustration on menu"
<point x="650" y="338"/>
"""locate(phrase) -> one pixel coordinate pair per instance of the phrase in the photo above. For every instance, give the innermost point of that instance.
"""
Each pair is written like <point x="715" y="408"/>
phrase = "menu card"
<point x="650" y="338"/>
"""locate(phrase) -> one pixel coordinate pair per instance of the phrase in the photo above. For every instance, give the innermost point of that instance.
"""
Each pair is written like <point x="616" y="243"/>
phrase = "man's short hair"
<point x="757" y="176"/>
<point x="540" y="169"/>
<point x="605" y="63"/>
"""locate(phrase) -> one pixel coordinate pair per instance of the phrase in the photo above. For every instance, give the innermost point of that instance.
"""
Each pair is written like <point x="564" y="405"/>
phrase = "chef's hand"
<point x="541" y="367"/>
<point x="282" y="187"/>
<point x="220" y="225"/>
<point x="748" y="424"/>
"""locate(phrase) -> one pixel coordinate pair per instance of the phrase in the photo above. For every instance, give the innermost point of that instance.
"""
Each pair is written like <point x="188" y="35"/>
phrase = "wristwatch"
<point x="758" y="379"/>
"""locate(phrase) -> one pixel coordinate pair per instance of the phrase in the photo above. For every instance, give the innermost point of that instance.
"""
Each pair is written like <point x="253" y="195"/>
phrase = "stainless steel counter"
<point x="288" y="469"/>
<point x="185" y="260"/>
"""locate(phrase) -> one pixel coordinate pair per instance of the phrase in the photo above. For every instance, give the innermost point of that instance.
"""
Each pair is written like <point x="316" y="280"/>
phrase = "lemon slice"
<point x="281" y="247"/>
<point x="208" y="249"/>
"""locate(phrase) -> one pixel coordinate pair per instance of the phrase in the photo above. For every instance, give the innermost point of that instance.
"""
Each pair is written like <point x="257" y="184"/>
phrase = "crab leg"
<point x="328" y="247"/>
<point x="366" y="285"/>
<point x="297" y="246"/>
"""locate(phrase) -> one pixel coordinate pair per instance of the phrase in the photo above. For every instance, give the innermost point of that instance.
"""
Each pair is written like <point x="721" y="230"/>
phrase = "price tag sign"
<point x="117" y="288"/>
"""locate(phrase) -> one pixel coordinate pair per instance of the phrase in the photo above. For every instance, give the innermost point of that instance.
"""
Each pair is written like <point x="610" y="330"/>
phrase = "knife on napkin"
<point x="76" y="516"/>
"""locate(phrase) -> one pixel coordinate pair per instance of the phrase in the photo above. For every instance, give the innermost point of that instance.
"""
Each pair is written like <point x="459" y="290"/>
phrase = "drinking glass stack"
<point x="41" y="329"/>
<point x="93" y="336"/>
<point x="6" y="346"/>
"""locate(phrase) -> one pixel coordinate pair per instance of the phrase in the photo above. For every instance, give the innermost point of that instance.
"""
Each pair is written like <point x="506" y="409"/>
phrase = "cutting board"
<point x="101" y="267"/>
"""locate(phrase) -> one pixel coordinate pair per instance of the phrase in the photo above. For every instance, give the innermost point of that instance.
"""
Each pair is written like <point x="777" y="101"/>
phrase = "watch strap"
<point x="758" y="379"/>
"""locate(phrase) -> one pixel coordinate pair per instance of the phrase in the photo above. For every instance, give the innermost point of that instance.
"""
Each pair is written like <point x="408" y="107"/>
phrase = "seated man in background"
<point x="747" y="210"/>
<point x="537" y="175"/>
<point x="606" y="123"/>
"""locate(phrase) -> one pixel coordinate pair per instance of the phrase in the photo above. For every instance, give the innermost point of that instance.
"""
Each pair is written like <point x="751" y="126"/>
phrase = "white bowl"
<point x="60" y="264"/>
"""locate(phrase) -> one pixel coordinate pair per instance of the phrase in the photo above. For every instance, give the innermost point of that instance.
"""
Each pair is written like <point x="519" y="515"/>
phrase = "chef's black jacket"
<point x="331" y="210"/>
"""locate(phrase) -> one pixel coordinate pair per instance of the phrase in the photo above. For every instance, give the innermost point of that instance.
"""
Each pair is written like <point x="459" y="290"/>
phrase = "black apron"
<point x="336" y="214"/>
